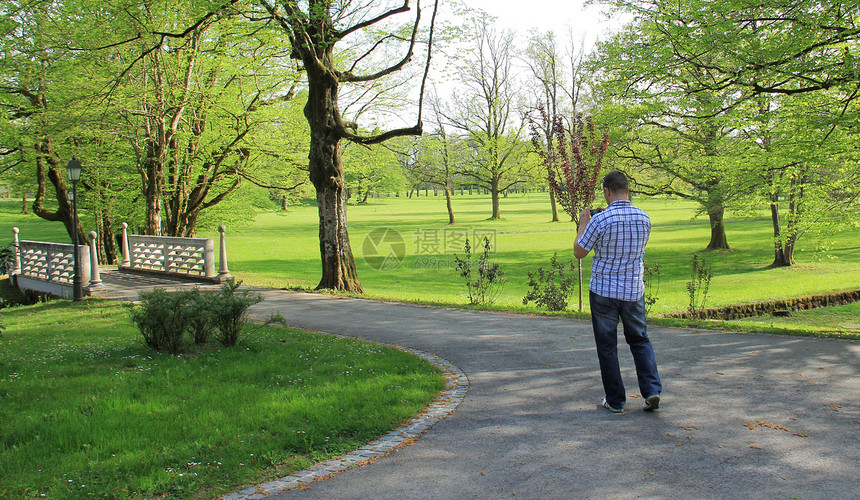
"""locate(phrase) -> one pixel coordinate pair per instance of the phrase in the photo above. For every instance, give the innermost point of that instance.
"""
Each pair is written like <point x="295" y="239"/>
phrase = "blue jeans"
<point x="605" y="313"/>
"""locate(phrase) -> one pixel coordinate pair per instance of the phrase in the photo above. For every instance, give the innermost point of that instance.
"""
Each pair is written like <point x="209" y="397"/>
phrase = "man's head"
<point x="616" y="182"/>
<point x="615" y="186"/>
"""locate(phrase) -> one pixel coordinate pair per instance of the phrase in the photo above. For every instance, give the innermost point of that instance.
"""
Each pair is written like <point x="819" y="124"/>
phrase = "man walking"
<point x="618" y="236"/>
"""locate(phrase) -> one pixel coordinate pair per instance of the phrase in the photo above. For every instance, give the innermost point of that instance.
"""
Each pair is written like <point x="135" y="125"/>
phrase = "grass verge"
<point x="280" y="249"/>
<point x="90" y="412"/>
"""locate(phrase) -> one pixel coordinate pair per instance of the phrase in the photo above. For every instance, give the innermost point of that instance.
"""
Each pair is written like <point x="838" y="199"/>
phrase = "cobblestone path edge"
<point x="456" y="385"/>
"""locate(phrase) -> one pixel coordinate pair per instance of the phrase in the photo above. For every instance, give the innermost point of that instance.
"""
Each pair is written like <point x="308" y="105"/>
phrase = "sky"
<point x="555" y="15"/>
<point x="564" y="17"/>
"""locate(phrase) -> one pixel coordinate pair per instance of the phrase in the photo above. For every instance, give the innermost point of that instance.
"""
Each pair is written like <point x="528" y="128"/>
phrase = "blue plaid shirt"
<point x="618" y="236"/>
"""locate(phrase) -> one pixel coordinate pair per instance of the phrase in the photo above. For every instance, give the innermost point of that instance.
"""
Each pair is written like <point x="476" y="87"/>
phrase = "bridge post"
<point x="126" y="260"/>
<point x="223" y="271"/>
<point x="95" y="278"/>
<point x="16" y="259"/>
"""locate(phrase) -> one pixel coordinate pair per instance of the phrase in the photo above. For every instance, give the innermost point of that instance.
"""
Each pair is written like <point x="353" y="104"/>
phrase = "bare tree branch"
<point x="348" y="76"/>
<point x="370" y="22"/>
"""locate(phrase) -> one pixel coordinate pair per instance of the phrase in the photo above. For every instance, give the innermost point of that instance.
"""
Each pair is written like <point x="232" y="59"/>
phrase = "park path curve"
<point x="743" y="415"/>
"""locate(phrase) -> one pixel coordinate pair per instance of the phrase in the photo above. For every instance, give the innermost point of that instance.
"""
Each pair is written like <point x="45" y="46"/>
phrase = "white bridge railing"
<point x="49" y="267"/>
<point x="190" y="257"/>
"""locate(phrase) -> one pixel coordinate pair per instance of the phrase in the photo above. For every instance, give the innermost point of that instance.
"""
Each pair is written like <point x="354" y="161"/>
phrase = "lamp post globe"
<point x="74" y="169"/>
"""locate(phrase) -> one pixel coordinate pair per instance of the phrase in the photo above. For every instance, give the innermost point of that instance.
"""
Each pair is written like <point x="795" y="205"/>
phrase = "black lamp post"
<point x="74" y="169"/>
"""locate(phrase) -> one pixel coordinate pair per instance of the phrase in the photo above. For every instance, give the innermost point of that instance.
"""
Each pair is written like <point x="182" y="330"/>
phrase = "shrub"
<point x="14" y="296"/>
<point x="7" y="255"/>
<point x="652" y="285"/>
<point x="697" y="287"/>
<point x="486" y="282"/>
<point x="161" y="318"/>
<point x="229" y="310"/>
<point x="551" y="288"/>
<point x="170" y="321"/>
<point x="201" y="309"/>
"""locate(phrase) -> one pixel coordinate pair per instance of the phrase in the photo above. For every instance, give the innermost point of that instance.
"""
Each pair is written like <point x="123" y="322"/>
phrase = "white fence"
<point x="49" y="267"/>
<point x="190" y="257"/>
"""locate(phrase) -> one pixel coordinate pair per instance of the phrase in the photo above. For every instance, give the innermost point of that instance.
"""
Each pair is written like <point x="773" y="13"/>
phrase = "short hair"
<point x="616" y="181"/>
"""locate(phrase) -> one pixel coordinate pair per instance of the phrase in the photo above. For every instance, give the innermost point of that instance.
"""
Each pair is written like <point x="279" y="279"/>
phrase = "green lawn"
<point x="281" y="249"/>
<point x="91" y="412"/>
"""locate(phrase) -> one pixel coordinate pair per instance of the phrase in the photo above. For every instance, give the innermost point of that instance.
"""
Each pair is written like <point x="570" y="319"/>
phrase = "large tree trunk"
<point x="779" y="257"/>
<point x="494" y="194"/>
<point x="152" y="191"/>
<point x="338" y="263"/>
<point x="788" y="251"/>
<point x="326" y="174"/>
<point x="789" y="241"/>
<point x="718" y="229"/>
<point x="188" y="227"/>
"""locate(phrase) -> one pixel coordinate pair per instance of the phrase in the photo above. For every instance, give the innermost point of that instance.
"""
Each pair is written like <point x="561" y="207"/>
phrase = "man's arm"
<point x="584" y="218"/>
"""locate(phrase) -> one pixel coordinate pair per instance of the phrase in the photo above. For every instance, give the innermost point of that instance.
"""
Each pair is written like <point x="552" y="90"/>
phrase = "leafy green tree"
<point x="185" y="115"/>
<point x="780" y="47"/>
<point x="36" y="81"/>
<point x="438" y="155"/>
<point x="315" y="32"/>
<point x="486" y="113"/>
<point x="808" y="168"/>
<point x="680" y="135"/>
<point x="370" y="171"/>
<point x="191" y="106"/>
<point x="785" y="75"/>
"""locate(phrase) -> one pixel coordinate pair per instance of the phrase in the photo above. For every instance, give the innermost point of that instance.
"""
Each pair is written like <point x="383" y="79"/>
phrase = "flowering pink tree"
<point x="573" y="158"/>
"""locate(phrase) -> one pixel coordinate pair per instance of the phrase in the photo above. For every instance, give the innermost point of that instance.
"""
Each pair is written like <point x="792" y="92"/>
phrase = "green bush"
<point x="173" y="320"/>
<point x="551" y="288"/>
<point x="201" y="308"/>
<point x="7" y="255"/>
<point x="229" y="310"/>
<point x="161" y="318"/>
<point x="485" y="283"/>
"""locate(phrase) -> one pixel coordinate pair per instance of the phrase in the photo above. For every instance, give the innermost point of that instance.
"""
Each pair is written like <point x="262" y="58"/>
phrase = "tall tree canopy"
<point x="185" y="84"/>
<point x="315" y="31"/>
<point x="486" y="112"/>
<point x="727" y="79"/>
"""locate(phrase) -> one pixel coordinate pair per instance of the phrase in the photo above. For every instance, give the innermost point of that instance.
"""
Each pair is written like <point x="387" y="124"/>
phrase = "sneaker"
<point x="652" y="402"/>
<point x="613" y="410"/>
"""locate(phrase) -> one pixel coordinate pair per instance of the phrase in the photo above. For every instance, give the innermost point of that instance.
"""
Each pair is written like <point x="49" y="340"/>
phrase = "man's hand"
<point x="584" y="218"/>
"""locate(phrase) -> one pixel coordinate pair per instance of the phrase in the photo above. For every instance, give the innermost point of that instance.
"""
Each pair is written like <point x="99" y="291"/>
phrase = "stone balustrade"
<point x="188" y="257"/>
<point x="48" y="267"/>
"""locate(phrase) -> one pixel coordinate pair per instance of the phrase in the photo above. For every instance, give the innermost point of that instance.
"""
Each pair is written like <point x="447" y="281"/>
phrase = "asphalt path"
<point x="742" y="415"/>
